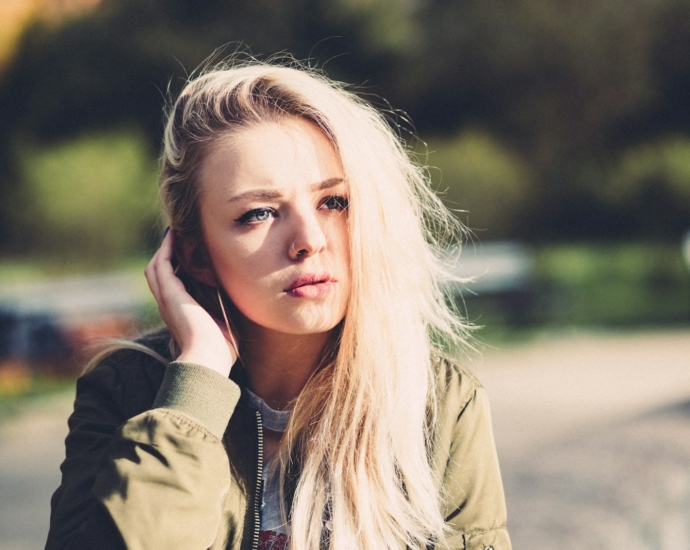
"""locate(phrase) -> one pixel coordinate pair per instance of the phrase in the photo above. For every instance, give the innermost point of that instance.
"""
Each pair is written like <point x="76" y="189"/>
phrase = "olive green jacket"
<point x="169" y="458"/>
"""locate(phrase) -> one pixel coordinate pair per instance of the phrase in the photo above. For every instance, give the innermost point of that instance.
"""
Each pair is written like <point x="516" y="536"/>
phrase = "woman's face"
<point x="274" y="216"/>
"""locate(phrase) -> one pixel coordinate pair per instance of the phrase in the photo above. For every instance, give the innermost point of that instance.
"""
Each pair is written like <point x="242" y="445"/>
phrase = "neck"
<point x="278" y="365"/>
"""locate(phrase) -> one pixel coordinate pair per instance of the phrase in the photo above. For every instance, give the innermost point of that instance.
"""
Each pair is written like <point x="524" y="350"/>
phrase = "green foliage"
<point x="386" y="25"/>
<point x="567" y="85"/>
<point x="91" y="196"/>
<point x="592" y="286"/>
<point x="483" y="179"/>
<point x="666" y="160"/>
<point x="651" y="182"/>
<point x="614" y="284"/>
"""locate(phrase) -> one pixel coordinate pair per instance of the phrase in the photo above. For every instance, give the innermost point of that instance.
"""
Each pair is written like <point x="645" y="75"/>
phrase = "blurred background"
<point x="559" y="130"/>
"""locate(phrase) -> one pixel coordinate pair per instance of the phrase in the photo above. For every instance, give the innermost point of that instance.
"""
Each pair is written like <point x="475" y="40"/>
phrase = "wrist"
<point x="220" y="361"/>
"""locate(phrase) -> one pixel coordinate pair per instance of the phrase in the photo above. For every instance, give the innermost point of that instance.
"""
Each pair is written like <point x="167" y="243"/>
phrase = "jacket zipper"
<point x="259" y="481"/>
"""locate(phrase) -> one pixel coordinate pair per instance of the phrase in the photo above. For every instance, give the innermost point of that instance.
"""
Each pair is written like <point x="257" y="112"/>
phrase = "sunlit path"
<point x="591" y="430"/>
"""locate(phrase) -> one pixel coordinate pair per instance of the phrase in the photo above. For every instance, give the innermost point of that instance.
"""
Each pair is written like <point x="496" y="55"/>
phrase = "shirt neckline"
<point x="272" y="419"/>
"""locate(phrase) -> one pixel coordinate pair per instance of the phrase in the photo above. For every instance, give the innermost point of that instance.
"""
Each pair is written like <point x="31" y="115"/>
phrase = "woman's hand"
<point x="201" y="339"/>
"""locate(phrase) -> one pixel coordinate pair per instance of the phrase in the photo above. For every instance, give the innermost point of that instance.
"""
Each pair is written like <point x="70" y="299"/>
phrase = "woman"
<point x="303" y="400"/>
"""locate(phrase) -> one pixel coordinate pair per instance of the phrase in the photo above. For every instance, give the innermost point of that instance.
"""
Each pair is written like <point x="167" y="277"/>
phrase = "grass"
<point x="20" y="394"/>
<point x="617" y="284"/>
<point x="592" y="286"/>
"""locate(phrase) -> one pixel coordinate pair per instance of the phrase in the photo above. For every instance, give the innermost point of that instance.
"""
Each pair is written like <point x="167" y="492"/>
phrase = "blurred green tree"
<point x="92" y="196"/>
<point x="566" y="86"/>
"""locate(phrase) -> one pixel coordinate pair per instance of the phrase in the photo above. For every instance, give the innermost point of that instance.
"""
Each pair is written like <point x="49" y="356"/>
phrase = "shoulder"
<point x="461" y="411"/>
<point x="465" y="461"/>
<point x="456" y="384"/>
<point x="129" y="376"/>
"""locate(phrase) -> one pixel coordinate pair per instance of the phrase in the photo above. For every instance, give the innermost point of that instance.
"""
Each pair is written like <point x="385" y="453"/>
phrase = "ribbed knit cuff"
<point x="204" y="395"/>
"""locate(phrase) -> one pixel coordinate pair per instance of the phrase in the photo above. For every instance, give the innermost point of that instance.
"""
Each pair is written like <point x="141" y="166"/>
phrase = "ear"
<point x="194" y="259"/>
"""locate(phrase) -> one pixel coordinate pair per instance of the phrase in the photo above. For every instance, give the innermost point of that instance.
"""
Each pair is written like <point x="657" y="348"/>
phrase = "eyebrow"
<point x="259" y="194"/>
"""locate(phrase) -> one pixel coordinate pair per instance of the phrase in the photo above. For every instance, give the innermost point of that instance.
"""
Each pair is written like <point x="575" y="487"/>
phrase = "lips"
<point x="310" y="285"/>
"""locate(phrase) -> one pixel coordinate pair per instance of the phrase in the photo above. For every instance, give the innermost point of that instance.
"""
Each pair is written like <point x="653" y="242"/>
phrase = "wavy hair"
<point x="361" y="429"/>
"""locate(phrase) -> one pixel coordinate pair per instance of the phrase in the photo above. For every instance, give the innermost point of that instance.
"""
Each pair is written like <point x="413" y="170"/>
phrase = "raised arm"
<point x="145" y="463"/>
<point x="156" y="480"/>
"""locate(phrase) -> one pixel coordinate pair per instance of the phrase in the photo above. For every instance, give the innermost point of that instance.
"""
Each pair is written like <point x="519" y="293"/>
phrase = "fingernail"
<point x="166" y="231"/>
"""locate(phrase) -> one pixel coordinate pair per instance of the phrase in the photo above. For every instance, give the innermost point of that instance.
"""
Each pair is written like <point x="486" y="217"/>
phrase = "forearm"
<point x="157" y="481"/>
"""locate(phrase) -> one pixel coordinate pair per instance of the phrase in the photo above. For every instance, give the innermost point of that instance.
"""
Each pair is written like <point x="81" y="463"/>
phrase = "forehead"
<point x="285" y="155"/>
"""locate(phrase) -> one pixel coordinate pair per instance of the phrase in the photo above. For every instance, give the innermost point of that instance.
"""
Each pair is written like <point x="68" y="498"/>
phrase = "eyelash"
<point x="341" y="203"/>
<point x="246" y="218"/>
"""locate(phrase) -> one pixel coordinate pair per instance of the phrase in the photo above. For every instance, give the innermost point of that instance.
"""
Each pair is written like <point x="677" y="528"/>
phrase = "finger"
<point x="167" y="281"/>
<point x="156" y="265"/>
<point x="166" y="247"/>
<point x="150" y="274"/>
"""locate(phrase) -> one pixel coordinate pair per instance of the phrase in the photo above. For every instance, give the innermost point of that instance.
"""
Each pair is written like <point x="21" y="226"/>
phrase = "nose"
<point x="308" y="237"/>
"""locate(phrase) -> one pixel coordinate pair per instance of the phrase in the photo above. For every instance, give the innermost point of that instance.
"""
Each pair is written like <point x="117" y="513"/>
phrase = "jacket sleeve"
<point x="153" y="481"/>
<point x="475" y="507"/>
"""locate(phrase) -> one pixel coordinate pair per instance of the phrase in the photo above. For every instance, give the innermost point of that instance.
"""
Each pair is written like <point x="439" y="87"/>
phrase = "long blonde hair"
<point x="360" y="432"/>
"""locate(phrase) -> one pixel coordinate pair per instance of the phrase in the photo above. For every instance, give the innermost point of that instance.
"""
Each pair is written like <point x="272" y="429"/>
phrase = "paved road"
<point x="626" y="486"/>
<point x="593" y="432"/>
<point x="31" y="449"/>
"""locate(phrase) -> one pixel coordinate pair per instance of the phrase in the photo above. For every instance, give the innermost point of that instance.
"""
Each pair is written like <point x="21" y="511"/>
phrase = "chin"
<point x="302" y="323"/>
<point x="307" y="326"/>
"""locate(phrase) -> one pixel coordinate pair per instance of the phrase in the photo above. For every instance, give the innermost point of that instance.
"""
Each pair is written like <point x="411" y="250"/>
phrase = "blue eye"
<point x="257" y="215"/>
<point x="336" y="202"/>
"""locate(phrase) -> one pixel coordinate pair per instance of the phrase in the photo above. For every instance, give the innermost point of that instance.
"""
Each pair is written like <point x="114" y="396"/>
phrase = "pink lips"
<point x="310" y="285"/>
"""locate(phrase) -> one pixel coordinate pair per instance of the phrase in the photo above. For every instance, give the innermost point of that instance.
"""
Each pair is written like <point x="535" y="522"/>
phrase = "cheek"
<point x="243" y="268"/>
